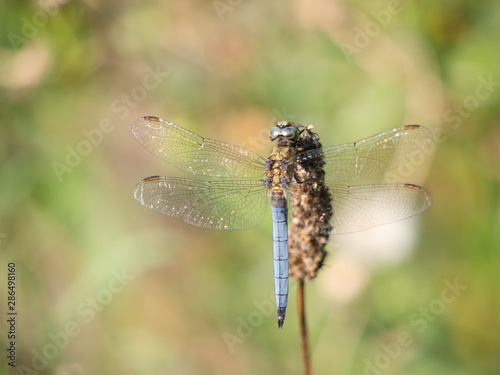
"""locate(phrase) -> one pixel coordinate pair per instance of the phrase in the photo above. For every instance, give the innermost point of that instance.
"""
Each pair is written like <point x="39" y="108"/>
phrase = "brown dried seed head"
<point x="311" y="210"/>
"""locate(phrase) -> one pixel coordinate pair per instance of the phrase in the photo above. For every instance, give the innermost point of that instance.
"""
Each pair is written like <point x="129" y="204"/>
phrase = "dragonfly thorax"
<point x="280" y="168"/>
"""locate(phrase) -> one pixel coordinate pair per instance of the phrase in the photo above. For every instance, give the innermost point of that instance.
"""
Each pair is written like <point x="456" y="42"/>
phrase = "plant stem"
<point x="304" y="346"/>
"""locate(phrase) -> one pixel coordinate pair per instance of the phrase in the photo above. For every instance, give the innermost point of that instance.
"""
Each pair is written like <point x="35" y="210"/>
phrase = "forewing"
<point x="223" y="205"/>
<point x="359" y="207"/>
<point x="194" y="154"/>
<point x="371" y="156"/>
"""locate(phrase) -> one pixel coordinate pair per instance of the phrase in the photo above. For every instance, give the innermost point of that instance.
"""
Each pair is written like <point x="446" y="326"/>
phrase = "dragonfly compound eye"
<point x="290" y="133"/>
<point x="274" y="133"/>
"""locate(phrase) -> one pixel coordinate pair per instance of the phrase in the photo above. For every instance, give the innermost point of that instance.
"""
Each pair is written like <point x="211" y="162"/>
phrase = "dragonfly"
<point x="241" y="185"/>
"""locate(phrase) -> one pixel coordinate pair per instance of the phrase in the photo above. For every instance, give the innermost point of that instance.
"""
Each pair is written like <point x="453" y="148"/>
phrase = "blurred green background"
<point x="106" y="286"/>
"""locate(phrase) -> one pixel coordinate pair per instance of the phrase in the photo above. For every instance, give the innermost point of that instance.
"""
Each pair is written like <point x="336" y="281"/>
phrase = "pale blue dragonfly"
<point x="245" y="182"/>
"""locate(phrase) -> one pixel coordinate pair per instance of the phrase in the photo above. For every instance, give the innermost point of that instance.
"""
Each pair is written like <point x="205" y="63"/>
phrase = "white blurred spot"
<point x="357" y="255"/>
<point x="343" y="280"/>
<point x="381" y="246"/>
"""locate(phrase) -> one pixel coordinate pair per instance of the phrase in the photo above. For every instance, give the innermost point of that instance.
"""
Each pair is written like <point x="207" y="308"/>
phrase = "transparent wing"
<point x="194" y="154"/>
<point x="224" y="205"/>
<point x="371" y="156"/>
<point x="360" y="207"/>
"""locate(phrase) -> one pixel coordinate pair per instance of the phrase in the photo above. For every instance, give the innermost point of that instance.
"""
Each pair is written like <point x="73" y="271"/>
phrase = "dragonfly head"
<point x="284" y="129"/>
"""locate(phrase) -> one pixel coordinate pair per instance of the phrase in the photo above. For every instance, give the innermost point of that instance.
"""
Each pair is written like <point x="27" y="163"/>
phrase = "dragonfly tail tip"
<point x="281" y="321"/>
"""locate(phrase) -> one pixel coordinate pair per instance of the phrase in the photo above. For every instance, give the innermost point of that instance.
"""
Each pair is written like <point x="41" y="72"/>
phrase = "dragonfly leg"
<point x="299" y="181"/>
